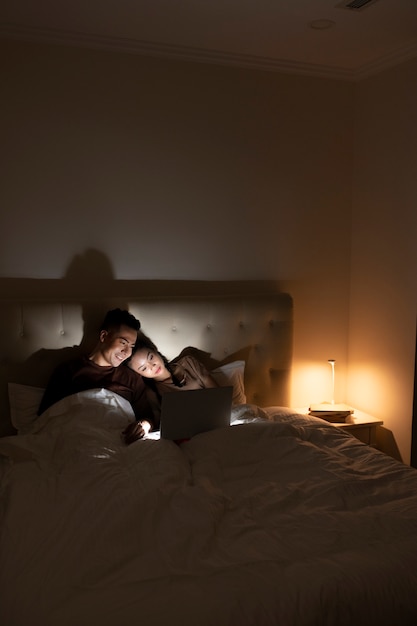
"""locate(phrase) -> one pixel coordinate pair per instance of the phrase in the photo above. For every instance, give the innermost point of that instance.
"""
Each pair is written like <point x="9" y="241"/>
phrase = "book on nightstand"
<point x="331" y="412"/>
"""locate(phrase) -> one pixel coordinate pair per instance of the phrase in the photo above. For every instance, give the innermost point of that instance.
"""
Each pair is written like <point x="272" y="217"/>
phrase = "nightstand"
<point x="359" y="425"/>
<point x="362" y="426"/>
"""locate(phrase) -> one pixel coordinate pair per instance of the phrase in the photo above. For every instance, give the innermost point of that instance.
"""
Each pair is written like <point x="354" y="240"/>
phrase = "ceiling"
<point x="347" y="43"/>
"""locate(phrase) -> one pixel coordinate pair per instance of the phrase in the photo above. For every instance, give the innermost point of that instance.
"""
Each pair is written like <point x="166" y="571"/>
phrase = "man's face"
<point x="116" y="346"/>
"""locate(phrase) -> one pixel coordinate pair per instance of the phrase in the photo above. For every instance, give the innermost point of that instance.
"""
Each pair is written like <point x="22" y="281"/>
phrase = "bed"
<point x="279" y="519"/>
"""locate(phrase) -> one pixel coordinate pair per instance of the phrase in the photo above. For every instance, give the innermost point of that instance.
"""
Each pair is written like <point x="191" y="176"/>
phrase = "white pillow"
<point x="232" y="374"/>
<point x="24" y="404"/>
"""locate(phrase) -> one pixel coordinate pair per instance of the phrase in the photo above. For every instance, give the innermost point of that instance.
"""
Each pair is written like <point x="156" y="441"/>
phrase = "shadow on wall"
<point x="90" y="276"/>
<point x="89" y="282"/>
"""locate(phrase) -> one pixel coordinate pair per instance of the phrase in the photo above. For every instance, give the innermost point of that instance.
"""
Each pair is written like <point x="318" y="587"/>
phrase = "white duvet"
<point x="280" y="519"/>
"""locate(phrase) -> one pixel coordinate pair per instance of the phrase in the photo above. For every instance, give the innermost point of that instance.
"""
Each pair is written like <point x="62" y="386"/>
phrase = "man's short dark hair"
<point x="119" y="317"/>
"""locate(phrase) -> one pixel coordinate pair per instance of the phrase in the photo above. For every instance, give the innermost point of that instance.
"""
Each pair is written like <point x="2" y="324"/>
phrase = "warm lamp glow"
<point x="311" y="383"/>
<point x="373" y="387"/>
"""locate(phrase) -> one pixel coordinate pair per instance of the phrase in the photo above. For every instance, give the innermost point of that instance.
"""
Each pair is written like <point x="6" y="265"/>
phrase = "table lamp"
<point x="330" y="411"/>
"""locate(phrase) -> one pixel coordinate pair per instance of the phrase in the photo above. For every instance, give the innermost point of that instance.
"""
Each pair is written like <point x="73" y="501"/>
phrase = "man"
<point x="101" y="369"/>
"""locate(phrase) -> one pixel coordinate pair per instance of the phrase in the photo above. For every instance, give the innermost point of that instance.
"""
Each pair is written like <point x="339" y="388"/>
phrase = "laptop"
<point x="187" y="413"/>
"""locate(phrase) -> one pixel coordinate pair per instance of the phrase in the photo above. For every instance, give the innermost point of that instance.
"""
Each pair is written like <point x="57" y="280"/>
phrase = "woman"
<point x="161" y="376"/>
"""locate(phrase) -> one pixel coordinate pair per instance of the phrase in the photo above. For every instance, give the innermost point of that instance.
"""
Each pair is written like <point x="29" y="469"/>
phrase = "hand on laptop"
<point x="136" y="430"/>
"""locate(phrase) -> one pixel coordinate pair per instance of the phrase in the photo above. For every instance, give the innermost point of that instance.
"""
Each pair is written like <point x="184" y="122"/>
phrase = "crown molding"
<point x="395" y="57"/>
<point x="201" y="55"/>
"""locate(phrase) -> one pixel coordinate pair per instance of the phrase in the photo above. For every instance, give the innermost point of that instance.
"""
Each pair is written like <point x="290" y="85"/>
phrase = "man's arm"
<point x="141" y="405"/>
<point x="146" y="418"/>
<point x="58" y="387"/>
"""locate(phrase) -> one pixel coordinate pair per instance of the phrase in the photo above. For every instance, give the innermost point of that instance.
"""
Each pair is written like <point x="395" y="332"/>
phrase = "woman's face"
<point x="149" y="364"/>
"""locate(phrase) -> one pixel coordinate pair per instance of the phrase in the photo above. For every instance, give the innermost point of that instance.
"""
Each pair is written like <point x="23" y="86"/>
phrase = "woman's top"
<point x="190" y="372"/>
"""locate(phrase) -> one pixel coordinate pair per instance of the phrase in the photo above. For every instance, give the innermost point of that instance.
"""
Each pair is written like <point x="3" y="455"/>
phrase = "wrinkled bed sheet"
<point x="280" y="519"/>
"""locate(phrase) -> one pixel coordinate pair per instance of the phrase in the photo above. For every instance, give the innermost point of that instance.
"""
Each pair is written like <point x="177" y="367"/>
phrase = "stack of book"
<point x="331" y="412"/>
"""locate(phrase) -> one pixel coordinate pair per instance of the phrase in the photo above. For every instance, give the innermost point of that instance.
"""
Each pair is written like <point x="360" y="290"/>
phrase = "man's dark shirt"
<point x="81" y="374"/>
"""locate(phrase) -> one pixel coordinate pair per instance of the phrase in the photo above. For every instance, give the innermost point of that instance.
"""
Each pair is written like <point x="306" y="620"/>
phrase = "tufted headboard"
<point x="37" y="334"/>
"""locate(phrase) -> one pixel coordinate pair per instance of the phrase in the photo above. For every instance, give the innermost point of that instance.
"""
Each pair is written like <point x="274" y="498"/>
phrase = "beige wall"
<point x="384" y="250"/>
<point x="176" y="170"/>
